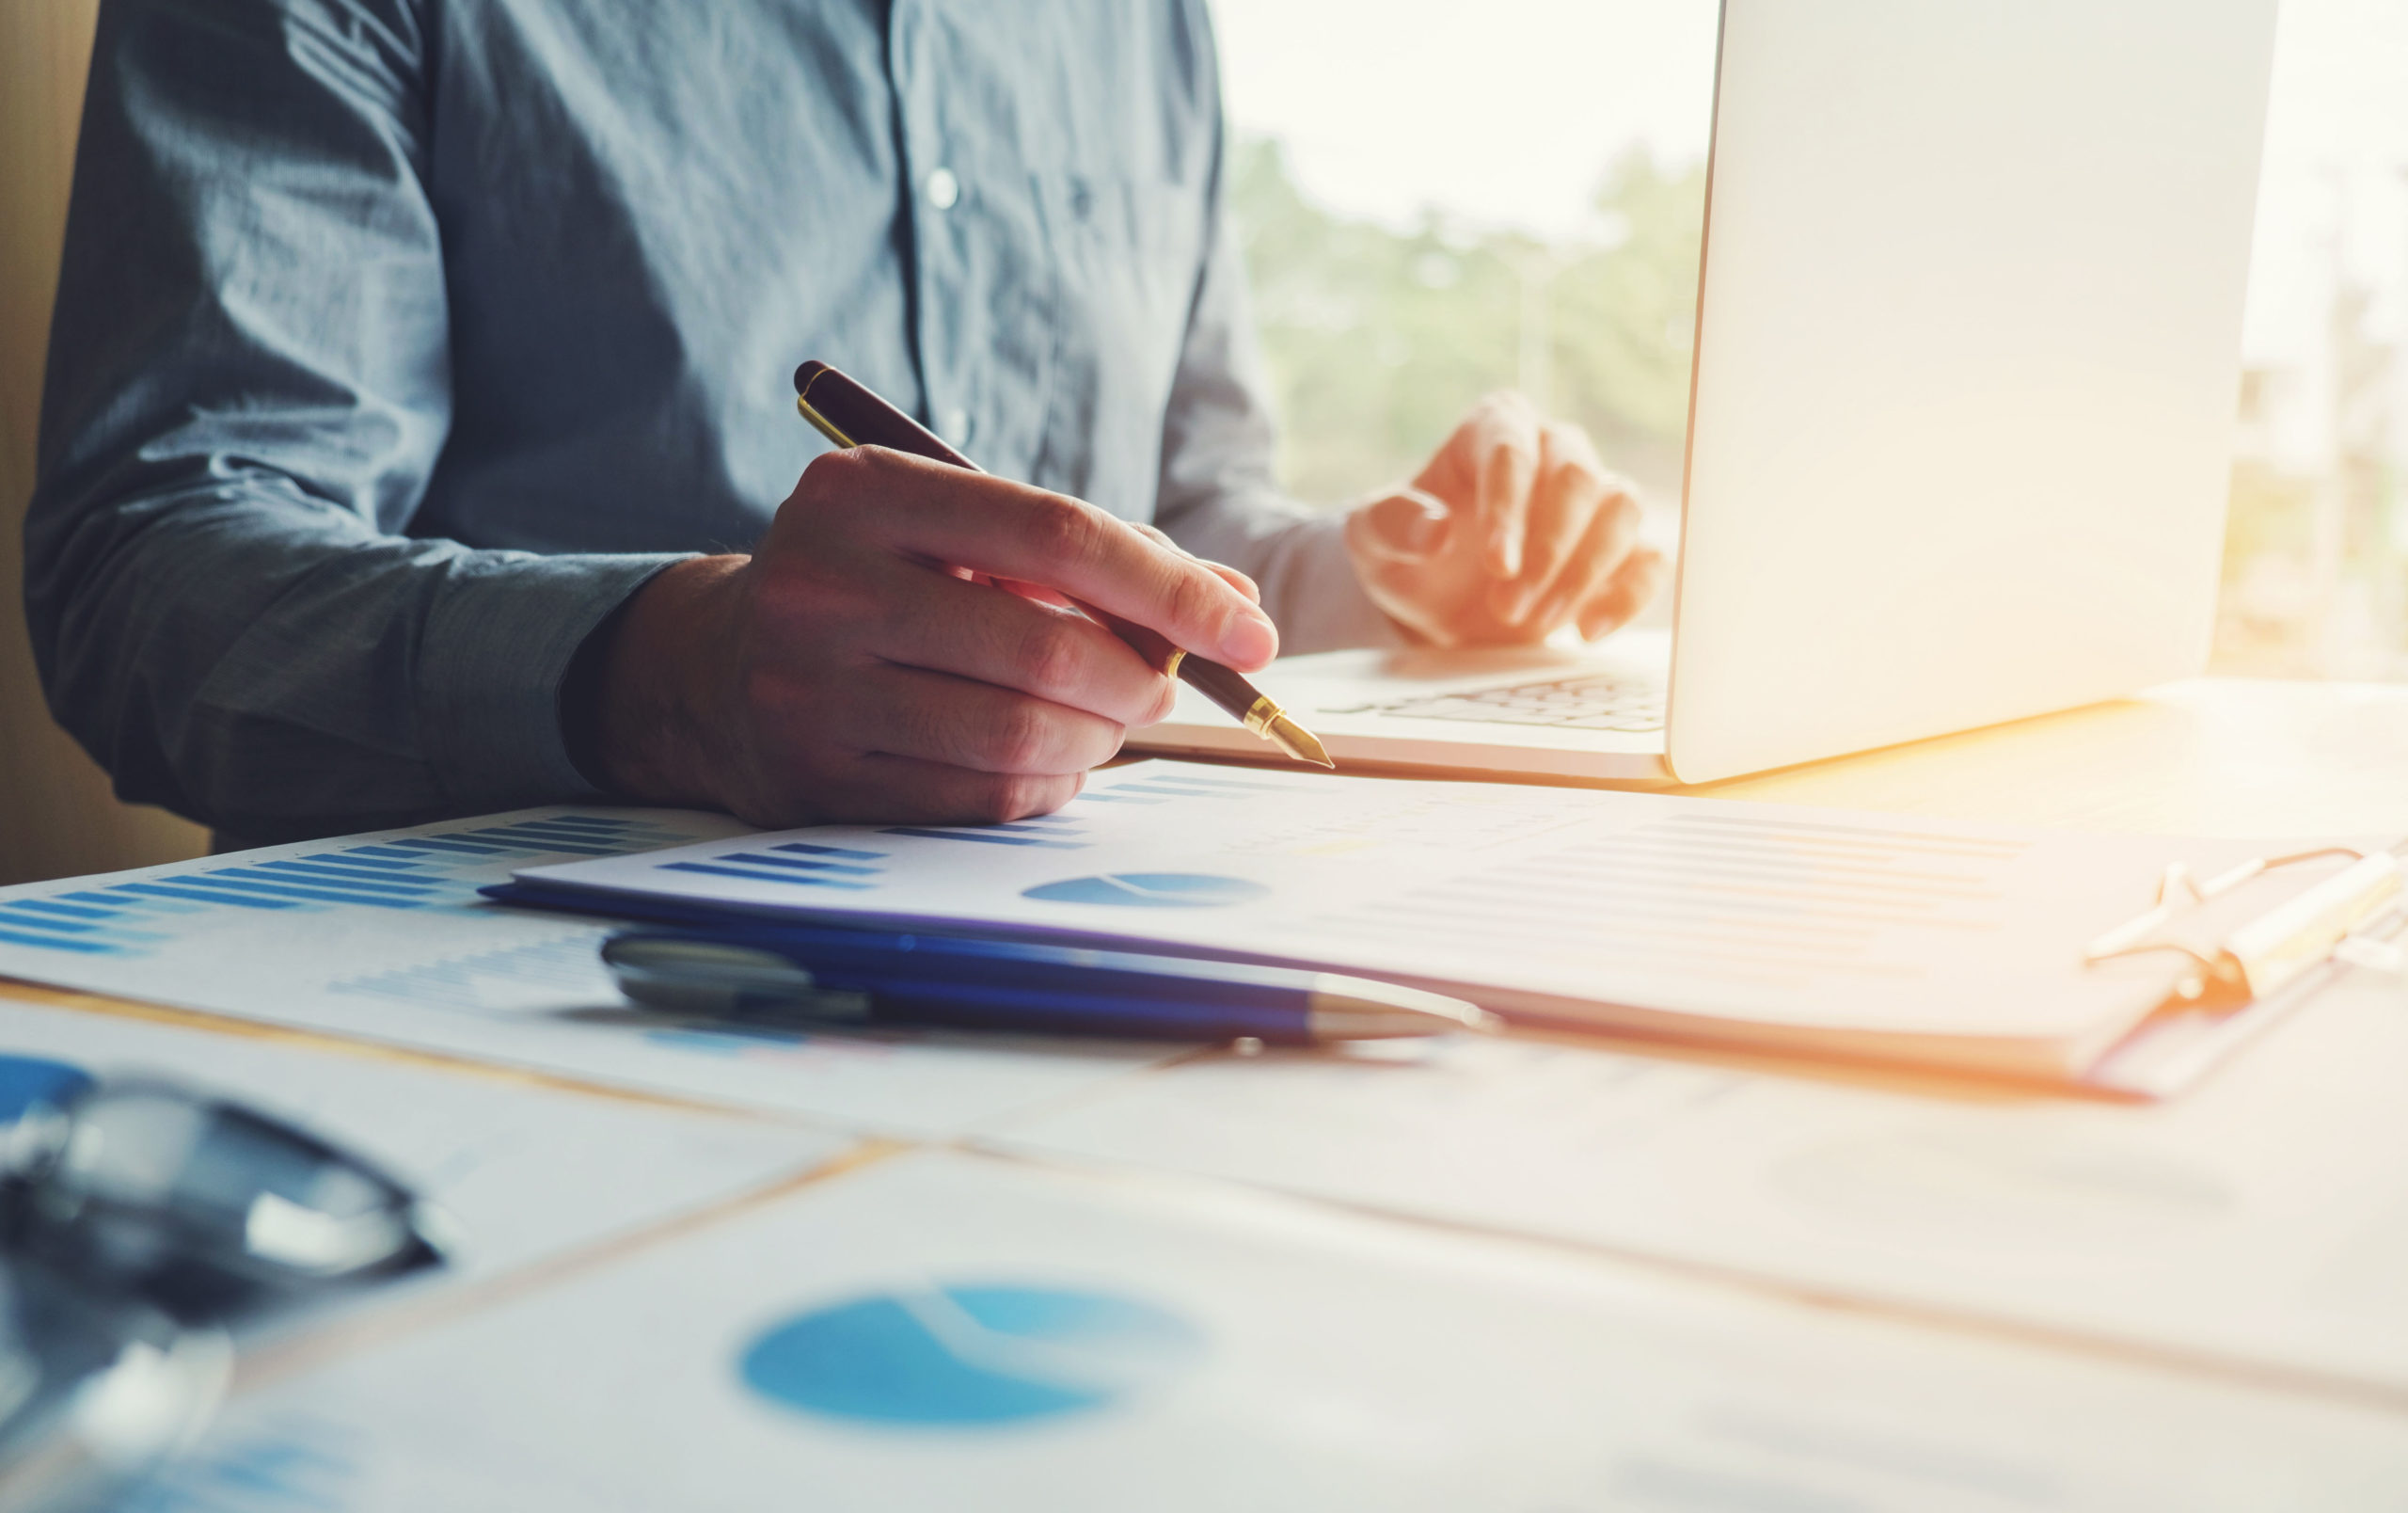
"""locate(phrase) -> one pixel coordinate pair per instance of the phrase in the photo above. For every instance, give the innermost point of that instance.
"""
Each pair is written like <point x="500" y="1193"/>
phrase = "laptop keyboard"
<point x="1587" y="703"/>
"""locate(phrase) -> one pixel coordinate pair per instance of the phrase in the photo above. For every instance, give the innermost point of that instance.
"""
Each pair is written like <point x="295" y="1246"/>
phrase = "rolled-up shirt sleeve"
<point x="249" y="392"/>
<point x="1219" y="497"/>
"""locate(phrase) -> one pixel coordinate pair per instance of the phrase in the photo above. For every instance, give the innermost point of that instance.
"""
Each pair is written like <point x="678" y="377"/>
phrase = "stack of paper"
<point x="1788" y="928"/>
<point x="385" y="937"/>
<point x="941" y="1333"/>
<point x="2259" y="1221"/>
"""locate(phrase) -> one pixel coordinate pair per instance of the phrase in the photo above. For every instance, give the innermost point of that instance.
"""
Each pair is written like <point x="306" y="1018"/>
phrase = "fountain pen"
<point x="847" y="412"/>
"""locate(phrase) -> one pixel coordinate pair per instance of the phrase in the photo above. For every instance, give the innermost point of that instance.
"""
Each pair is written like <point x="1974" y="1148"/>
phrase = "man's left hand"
<point x="1513" y="530"/>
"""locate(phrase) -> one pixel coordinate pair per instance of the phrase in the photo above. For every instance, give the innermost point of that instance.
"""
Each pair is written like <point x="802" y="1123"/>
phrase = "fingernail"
<point x="1249" y="640"/>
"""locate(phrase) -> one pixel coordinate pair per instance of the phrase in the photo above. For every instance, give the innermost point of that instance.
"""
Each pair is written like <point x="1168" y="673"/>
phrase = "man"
<point x="418" y="402"/>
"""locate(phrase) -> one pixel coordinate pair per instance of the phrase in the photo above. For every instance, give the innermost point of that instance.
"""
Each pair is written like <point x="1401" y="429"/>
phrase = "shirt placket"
<point x="933" y="195"/>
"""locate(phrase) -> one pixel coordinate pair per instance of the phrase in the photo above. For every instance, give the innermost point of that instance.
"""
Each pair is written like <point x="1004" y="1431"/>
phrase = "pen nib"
<point x="1296" y="741"/>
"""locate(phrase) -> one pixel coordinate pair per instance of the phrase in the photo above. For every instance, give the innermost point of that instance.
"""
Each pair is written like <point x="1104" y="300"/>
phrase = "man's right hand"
<point x="858" y="666"/>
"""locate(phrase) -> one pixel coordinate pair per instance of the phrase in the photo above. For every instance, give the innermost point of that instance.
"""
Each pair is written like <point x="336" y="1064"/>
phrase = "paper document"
<point x="524" y="1172"/>
<point x="2259" y="1221"/>
<point x="939" y="1332"/>
<point x="1778" y="926"/>
<point x="385" y="937"/>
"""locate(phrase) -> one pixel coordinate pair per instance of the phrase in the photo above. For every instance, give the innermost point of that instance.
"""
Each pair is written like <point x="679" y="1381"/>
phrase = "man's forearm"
<point x="275" y="668"/>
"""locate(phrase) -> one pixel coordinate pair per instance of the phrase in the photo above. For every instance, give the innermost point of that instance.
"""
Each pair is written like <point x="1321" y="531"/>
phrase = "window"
<point x="1437" y="203"/>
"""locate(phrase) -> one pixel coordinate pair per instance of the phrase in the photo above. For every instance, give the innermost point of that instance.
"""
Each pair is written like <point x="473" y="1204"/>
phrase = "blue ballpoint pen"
<point x="799" y="974"/>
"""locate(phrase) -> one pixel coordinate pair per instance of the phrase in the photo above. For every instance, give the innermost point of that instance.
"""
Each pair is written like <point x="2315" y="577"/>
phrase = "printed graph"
<point x="968" y="1356"/>
<point x="855" y="869"/>
<point x="442" y="869"/>
<point x="1152" y="890"/>
<point x="796" y="862"/>
<point x="1182" y="785"/>
<point x="1050" y="831"/>
<point x="1738" y="899"/>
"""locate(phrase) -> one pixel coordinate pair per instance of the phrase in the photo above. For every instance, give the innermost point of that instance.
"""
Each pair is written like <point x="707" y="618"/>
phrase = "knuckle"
<point x="1052" y="659"/>
<point x="1064" y="530"/>
<point x="991" y="802"/>
<point x="832" y="477"/>
<point x="925" y="723"/>
<point x="1024" y="796"/>
<point x="1018" y="741"/>
<point x="1006" y="796"/>
<point x="1192" y="600"/>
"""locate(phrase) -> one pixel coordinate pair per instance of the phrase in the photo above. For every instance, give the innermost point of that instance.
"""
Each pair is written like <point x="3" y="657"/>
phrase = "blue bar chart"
<point x="442" y="869"/>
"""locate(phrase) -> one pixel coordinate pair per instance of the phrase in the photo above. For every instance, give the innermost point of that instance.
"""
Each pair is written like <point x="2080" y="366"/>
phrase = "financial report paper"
<point x="385" y="937"/>
<point x="2258" y="1225"/>
<point x="938" y="1331"/>
<point x="522" y="1172"/>
<point x="1778" y="926"/>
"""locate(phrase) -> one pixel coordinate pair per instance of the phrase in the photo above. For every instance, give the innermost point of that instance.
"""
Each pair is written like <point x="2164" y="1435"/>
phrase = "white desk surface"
<point x="2218" y="757"/>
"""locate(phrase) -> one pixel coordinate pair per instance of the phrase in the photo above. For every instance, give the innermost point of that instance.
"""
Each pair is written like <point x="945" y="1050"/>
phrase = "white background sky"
<point x="1508" y="113"/>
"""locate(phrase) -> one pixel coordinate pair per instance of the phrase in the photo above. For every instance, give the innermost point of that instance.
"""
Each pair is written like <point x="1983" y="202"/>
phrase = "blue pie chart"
<point x="28" y="1081"/>
<point x="1152" y="890"/>
<point x="968" y="1356"/>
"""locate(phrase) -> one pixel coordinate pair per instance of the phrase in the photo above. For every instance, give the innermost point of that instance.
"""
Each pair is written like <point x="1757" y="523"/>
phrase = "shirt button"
<point x="943" y="188"/>
<point x="954" y="426"/>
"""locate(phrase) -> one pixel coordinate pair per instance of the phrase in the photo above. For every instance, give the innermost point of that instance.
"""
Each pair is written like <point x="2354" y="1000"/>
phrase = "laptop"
<point x="1967" y="363"/>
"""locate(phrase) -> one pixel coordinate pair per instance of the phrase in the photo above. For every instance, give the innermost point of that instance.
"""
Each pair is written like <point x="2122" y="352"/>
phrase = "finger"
<point x="1034" y="592"/>
<point x="1228" y="575"/>
<point x="1407" y="527"/>
<point x="1010" y="530"/>
<point x="891" y="790"/>
<point x="958" y="722"/>
<point x="1570" y="489"/>
<point x="1506" y="437"/>
<point x="1252" y="590"/>
<point x="1642" y="577"/>
<point x="941" y="625"/>
<point x="1611" y="536"/>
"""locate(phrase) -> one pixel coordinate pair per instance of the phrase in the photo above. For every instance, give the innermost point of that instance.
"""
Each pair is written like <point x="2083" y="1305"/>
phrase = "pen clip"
<point x="2264" y="952"/>
<point x="713" y="979"/>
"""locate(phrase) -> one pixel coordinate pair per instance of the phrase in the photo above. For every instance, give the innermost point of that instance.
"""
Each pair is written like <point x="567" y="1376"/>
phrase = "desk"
<point x="2212" y="757"/>
<point x="2236" y="1276"/>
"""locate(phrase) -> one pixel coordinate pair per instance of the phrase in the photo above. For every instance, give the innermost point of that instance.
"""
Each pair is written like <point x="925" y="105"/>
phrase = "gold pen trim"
<point x="1177" y="655"/>
<point x="820" y="423"/>
<point x="1266" y="719"/>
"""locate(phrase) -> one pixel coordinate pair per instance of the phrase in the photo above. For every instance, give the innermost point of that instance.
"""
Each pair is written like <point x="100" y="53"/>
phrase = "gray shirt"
<point x="398" y="341"/>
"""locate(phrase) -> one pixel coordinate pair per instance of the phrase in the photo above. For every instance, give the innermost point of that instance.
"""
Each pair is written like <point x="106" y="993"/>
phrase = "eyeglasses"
<point x="138" y="1221"/>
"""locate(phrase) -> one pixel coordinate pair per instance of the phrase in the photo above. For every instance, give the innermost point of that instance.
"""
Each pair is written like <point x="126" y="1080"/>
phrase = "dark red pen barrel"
<point x="866" y="420"/>
<point x="1224" y="688"/>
